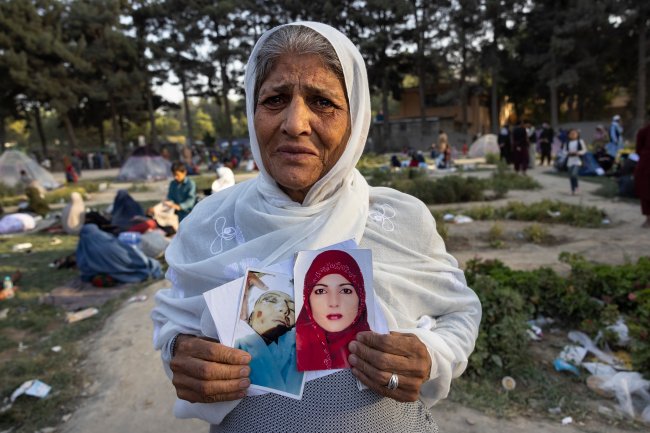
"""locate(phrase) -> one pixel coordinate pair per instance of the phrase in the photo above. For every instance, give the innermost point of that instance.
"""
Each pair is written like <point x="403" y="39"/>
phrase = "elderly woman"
<point x="308" y="107"/>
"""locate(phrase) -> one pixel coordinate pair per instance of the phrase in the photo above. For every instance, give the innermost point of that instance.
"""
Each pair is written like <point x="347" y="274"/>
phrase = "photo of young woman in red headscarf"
<point x="334" y="311"/>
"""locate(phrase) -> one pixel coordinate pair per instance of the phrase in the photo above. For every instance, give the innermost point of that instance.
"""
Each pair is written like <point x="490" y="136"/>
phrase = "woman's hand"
<point x="206" y="371"/>
<point x="170" y="204"/>
<point x="375" y="357"/>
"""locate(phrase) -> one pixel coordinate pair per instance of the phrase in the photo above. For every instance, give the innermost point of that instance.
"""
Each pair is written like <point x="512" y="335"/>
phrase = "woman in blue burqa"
<point x="125" y="208"/>
<point x="99" y="252"/>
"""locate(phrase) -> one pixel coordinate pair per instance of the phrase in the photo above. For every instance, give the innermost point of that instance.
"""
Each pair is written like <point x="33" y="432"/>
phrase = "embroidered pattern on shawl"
<point x="383" y="215"/>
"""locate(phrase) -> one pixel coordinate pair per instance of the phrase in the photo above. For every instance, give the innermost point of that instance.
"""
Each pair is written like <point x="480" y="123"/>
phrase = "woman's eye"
<point x="323" y="103"/>
<point x="319" y="291"/>
<point x="346" y="291"/>
<point x="273" y="101"/>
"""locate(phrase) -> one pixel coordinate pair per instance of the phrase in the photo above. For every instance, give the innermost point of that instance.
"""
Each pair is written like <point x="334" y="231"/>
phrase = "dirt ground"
<point x="128" y="392"/>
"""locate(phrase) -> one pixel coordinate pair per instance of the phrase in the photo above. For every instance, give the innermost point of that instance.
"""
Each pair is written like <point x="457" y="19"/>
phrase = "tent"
<point x="145" y="164"/>
<point x="11" y="164"/>
<point x="485" y="144"/>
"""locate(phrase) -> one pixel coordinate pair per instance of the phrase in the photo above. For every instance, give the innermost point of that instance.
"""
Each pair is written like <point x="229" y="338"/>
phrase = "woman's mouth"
<point x="334" y="316"/>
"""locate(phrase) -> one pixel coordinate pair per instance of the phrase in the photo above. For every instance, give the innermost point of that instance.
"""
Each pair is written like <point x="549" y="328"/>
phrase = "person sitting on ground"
<point x="100" y="253"/>
<point x="225" y="178"/>
<point x="395" y="163"/>
<point x="182" y="191"/>
<point x="125" y="211"/>
<point x="73" y="216"/>
<point x="36" y="201"/>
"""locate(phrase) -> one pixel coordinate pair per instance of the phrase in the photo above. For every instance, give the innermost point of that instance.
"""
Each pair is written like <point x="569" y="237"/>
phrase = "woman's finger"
<point x="381" y="360"/>
<point x="415" y="356"/>
<point x="381" y="377"/>
<point x="209" y="390"/>
<point x="194" y="397"/>
<point x="396" y="394"/>
<point x="210" y="351"/>
<point x="206" y="370"/>
<point x="408" y="345"/>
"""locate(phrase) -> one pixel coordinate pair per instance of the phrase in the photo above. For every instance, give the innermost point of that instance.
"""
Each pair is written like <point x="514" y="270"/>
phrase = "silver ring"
<point x="393" y="382"/>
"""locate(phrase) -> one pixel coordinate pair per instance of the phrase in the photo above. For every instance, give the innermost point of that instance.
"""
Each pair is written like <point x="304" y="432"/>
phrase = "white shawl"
<point x="255" y="224"/>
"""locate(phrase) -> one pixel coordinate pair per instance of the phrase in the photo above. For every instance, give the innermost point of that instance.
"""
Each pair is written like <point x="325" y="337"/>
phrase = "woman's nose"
<point x="333" y="299"/>
<point x="297" y="118"/>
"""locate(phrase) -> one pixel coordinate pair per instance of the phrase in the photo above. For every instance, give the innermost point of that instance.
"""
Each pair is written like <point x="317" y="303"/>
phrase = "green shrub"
<point x="502" y="345"/>
<point x="495" y="236"/>
<point x="492" y="158"/>
<point x="592" y="297"/>
<point x="536" y="233"/>
<point x="504" y="179"/>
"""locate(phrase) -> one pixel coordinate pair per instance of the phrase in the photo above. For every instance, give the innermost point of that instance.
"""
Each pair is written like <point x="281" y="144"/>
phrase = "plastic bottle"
<point x="7" y="291"/>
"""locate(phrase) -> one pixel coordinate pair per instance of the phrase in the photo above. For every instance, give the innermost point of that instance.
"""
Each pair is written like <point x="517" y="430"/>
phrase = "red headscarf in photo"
<point x="318" y="349"/>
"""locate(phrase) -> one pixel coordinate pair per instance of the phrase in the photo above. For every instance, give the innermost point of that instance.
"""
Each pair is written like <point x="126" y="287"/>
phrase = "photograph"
<point x="266" y="329"/>
<point x="334" y="294"/>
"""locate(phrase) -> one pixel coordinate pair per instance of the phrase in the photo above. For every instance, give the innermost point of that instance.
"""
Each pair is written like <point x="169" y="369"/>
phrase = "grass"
<point x="39" y="327"/>
<point x="545" y="211"/>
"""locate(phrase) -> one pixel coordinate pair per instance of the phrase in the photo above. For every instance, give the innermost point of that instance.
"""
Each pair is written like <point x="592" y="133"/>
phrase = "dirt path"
<point x="129" y="392"/>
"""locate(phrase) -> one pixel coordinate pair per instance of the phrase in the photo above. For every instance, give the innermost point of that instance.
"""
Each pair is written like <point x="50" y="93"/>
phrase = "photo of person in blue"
<point x="266" y="330"/>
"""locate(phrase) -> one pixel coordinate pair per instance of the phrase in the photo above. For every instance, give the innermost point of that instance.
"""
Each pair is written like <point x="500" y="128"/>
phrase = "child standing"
<point x="574" y="148"/>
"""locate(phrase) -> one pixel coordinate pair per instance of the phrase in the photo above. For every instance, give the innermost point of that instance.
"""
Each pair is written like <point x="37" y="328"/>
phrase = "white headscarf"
<point x="74" y="214"/>
<point x="255" y="223"/>
<point x="226" y="178"/>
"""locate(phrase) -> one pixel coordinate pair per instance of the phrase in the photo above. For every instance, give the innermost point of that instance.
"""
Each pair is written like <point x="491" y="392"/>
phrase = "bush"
<point x="536" y="233"/>
<point x="492" y="158"/>
<point x="504" y="179"/>
<point x="502" y="345"/>
<point x="495" y="236"/>
<point x="592" y="297"/>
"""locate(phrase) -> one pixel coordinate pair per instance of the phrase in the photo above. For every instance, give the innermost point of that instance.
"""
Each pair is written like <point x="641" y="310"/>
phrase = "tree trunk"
<point x="421" y="74"/>
<point x="555" y="123"/>
<point x="117" y="134"/>
<point x="494" y="103"/>
<point x="385" y="136"/>
<point x="69" y="129"/>
<point x="39" y="128"/>
<point x="226" y="102"/>
<point x="102" y="135"/>
<point x="188" y="115"/>
<point x="463" y="88"/>
<point x="153" y="137"/>
<point x="3" y="132"/>
<point x="641" y="73"/>
<point x="552" y="86"/>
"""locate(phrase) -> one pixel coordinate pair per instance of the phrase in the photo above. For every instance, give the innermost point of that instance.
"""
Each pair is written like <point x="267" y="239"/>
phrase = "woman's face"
<point x="334" y="303"/>
<point x="273" y="310"/>
<point x="302" y="122"/>
<point x="573" y="134"/>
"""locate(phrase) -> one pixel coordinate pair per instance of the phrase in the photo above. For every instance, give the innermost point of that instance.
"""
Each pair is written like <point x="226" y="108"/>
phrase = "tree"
<point x="380" y="27"/>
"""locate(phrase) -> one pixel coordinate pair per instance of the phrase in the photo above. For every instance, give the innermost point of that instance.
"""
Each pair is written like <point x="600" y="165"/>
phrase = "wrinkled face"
<point x="179" y="176"/>
<point x="272" y="310"/>
<point x="302" y="122"/>
<point x="334" y="303"/>
<point x="573" y="134"/>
